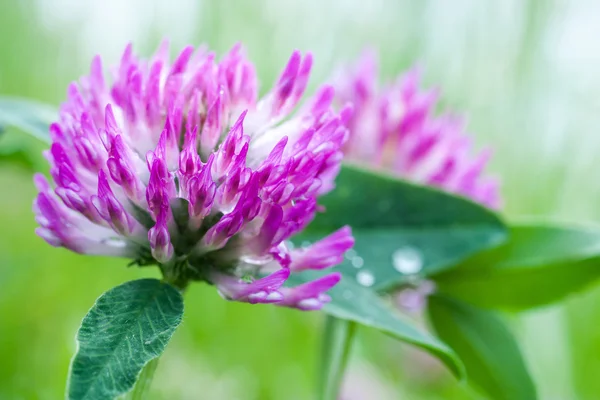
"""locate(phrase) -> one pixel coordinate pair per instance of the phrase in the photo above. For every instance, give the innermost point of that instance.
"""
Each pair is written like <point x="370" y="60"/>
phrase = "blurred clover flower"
<point x="395" y="128"/>
<point x="180" y="165"/>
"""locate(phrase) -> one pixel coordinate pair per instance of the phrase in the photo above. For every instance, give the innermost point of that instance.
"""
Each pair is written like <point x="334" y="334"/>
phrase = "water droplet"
<point x="305" y="244"/>
<point x="289" y="245"/>
<point x="147" y="342"/>
<point x="350" y="254"/>
<point x="365" y="278"/>
<point x="357" y="262"/>
<point x="407" y="260"/>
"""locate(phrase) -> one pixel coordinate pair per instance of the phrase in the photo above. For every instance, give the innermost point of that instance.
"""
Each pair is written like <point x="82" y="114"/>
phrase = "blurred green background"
<point x="527" y="75"/>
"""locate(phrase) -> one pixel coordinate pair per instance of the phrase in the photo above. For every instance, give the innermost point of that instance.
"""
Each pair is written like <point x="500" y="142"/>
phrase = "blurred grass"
<point x="525" y="74"/>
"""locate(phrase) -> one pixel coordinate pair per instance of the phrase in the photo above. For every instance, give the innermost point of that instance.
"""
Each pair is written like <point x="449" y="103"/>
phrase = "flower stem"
<point x="142" y="386"/>
<point x="337" y="341"/>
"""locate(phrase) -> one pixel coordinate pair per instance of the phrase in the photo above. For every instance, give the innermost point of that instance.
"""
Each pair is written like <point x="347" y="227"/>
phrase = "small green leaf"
<point x="399" y="226"/>
<point x="128" y="326"/>
<point x="540" y="264"/>
<point x="29" y="116"/>
<point x="337" y="342"/>
<point x="353" y="302"/>
<point x="486" y="346"/>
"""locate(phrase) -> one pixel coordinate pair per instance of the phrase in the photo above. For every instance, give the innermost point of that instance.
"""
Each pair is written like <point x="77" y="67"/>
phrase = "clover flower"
<point x="180" y="165"/>
<point x="395" y="128"/>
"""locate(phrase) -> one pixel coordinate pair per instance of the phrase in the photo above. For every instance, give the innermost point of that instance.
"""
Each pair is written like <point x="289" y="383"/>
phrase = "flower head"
<point x="178" y="164"/>
<point x="395" y="127"/>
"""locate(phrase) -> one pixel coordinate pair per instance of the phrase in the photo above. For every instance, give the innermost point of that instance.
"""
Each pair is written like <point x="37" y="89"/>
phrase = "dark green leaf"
<point x="128" y="326"/>
<point x="485" y="345"/>
<point x="337" y="342"/>
<point x="29" y="116"/>
<point x="353" y="302"/>
<point x="399" y="226"/>
<point x="540" y="264"/>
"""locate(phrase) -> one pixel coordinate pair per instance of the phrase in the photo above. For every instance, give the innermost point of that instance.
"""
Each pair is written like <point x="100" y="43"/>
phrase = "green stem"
<point x="142" y="386"/>
<point x="337" y="341"/>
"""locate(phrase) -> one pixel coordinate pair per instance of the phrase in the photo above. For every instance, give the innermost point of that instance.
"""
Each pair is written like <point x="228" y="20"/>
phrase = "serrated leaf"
<point x="486" y="347"/>
<point x="540" y="264"/>
<point x="128" y="326"/>
<point x="391" y="218"/>
<point x="353" y="302"/>
<point x="29" y="116"/>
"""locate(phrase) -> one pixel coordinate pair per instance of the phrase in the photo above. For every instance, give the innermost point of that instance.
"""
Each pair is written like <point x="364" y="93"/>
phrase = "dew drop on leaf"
<point x="365" y="278"/>
<point x="350" y="254"/>
<point x="357" y="262"/>
<point x="407" y="260"/>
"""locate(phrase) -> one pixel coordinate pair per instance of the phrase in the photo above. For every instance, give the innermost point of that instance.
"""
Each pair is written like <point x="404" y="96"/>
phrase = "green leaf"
<point x="25" y="153"/>
<point x="29" y="116"/>
<point x="540" y="264"/>
<point x="483" y="342"/>
<point x="128" y="326"/>
<point x="16" y="156"/>
<point x="353" y="302"/>
<point x="337" y="342"/>
<point x="400" y="226"/>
